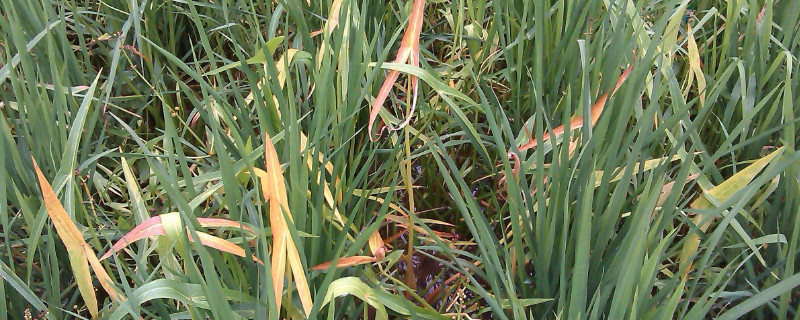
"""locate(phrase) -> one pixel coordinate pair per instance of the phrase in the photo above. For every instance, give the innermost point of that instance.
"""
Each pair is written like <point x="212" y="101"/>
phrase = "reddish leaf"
<point x="155" y="227"/>
<point x="150" y="227"/>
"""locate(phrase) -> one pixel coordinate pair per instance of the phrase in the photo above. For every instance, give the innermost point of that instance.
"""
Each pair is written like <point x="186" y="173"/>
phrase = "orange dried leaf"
<point x="222" y="245"/>
<point x="346" y="262"/>
<point x="409" y="51"/>
<point x="284" y="250"/>
<point x="376" y="245"/>
<point x="80" y="254"/>
<point x="595" y="112"/>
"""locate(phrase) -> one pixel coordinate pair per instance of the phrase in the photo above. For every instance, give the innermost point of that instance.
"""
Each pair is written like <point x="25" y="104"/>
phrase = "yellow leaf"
<point x="77" y="248"/>
<point x="722" y="193"/>
<point x="694" y="64"/>
<point x="224" y="223"/>
<point x="80" y="269"/>
<point x="222" y="245"/>
<point x="376" y="245"/>
<point x="273" y="188"/>
<point x="298" y="271"/>
<point x="278" y="264"/>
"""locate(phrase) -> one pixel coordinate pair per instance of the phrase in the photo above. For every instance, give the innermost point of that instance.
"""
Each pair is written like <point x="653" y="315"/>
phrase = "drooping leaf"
<point x="187" y="293"/>
<point x="155" y="226"/>
<point x="149" y="228"/>
<point x="79" y="251"/>
<point x="408" y="51"/>
<point x="357" y="288"/>
<point x="284" y="250"/>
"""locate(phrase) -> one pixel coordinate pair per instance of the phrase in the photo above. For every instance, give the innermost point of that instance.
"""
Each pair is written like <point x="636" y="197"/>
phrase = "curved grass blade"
<point x="759" y="299"/>
<point x="355" y="287"/>
<point x="189" y="294"/>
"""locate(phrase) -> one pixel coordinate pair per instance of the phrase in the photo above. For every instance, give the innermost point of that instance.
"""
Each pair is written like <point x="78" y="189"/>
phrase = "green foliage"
<point x="680" y="202"/>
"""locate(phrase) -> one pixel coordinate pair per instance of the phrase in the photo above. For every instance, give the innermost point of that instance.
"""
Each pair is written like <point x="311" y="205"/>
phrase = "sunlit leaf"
<point x="357" y="288"/>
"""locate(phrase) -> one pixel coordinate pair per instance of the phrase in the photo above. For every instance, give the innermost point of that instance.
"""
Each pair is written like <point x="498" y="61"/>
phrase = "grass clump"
<point x="545" y="159"/>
